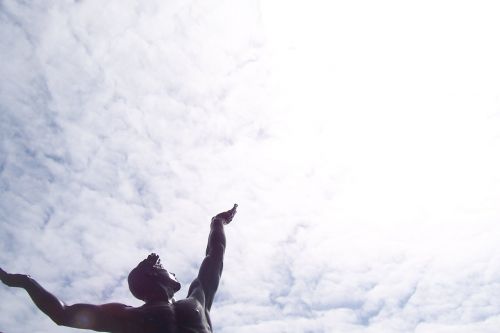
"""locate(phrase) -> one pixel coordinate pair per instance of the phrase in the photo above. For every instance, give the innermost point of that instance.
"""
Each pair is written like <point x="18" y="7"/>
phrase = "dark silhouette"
<point x="151" y="283"/>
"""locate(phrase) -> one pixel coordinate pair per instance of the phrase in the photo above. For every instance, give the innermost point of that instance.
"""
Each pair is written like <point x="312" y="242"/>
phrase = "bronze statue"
<point x="151" y="283"/>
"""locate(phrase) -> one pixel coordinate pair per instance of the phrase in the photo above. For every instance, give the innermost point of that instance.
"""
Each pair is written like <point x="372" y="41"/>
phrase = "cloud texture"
<point x="360" y="141"/>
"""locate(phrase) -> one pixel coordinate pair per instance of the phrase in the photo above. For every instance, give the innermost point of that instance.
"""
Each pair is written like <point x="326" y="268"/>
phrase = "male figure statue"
<point x="151" y="283"/>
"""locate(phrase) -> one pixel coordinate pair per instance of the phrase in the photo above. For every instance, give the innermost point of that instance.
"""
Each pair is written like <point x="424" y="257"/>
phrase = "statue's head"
<point x="150" y="281"/>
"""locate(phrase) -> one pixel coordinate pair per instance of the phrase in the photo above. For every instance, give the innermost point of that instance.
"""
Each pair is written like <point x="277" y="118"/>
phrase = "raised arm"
<point x="205" y="285"/>
<point x="106" y="317"/>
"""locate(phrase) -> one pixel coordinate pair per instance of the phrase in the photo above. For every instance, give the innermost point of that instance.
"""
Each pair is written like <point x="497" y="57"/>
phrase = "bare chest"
<point x="185" y="316"/>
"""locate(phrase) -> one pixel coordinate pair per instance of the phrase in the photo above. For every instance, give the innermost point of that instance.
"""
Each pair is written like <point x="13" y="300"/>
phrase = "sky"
<point x="360" y="139"/>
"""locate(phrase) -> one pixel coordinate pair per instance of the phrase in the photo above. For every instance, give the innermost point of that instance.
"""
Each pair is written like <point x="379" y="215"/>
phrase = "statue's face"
<point x="159" y="272"/>
<point x="161" y="275"/>
<point x="149" y="280"/>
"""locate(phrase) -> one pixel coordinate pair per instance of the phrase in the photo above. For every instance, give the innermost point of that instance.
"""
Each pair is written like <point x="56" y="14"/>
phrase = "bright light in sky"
<point x="359" y="138"/>
<point x="403" y="97"/>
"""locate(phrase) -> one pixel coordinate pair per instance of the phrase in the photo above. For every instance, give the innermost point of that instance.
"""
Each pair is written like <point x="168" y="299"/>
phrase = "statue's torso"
<point x="184" y="316"/>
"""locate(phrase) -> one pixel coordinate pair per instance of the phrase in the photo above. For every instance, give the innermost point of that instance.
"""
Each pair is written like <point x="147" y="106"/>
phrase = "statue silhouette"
<point x="149" y="282"/>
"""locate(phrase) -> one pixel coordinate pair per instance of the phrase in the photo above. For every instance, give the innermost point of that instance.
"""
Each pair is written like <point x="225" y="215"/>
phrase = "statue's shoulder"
<point x="196" y="291"/>
<point x="189" y="302"/>
<point x="115" y="309"/>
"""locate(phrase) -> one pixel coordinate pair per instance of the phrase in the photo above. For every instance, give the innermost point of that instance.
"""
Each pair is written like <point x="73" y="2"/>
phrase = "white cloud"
<point x="359" y="139"/>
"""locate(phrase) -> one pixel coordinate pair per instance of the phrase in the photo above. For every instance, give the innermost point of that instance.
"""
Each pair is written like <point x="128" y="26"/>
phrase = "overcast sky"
<point x="360" y="139"/>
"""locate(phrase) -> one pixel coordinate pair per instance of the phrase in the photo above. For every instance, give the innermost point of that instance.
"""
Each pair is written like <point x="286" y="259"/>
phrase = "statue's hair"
<point x="140" y="282"/>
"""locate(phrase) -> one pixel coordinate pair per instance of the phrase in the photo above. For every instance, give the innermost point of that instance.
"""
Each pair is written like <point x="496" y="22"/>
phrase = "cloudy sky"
<point x="360" y="139"/>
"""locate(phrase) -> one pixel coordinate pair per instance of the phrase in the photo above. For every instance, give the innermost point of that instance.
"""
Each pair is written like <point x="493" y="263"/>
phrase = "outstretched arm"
<point x="107" y="317"/>
<point x="205" y="285"/>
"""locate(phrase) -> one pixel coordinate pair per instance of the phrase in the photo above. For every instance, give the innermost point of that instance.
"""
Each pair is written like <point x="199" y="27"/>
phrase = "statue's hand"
<point x="13" y="280"/>
<point x="226" y="217"/>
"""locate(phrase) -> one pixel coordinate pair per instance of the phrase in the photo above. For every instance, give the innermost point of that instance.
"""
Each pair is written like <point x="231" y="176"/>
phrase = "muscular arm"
<point x="211" y="267"/>
<point x="105" y="317"/>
